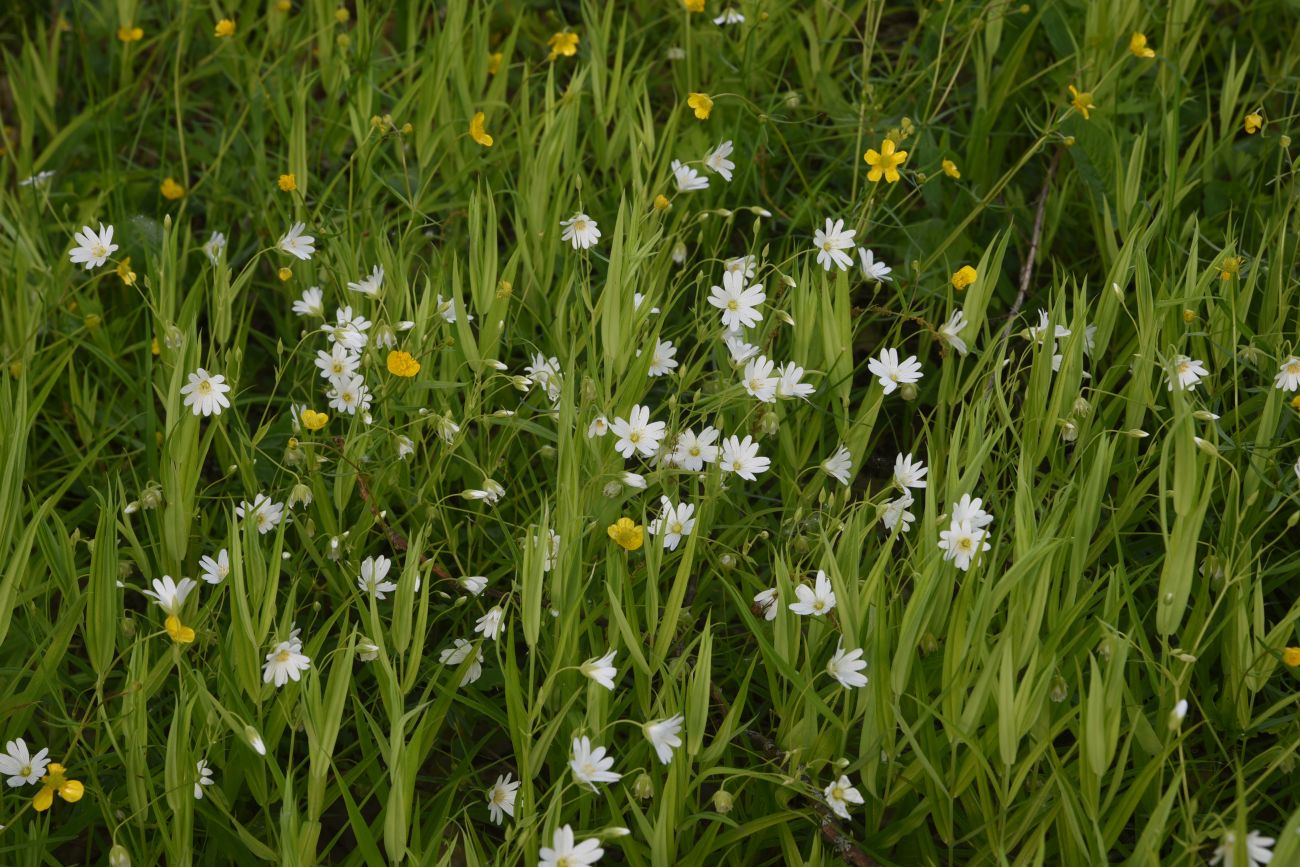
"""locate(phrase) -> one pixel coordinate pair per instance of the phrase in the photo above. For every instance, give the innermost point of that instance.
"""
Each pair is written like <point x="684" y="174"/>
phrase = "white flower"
<point x="457" y="653"/>
<point x="349" y="330"/>
<point x="601" y="669"/>
<point x="564" y="853"/>
<point x="909" y="473"/>
<point x="373" y="572"/>
<point x="39" y="179"/>
<point x="592" y="765"/>
<point x="845" y="667"/>
<point x="894" y="511"/>
<point x="447" y="310"/>
<point x="490" y="493"/>
<point x="717" y="161"/>
<point x="664" y="359"/>
<point x="550" y="550"/>
<point x="598" y="428"/>
<point x="312" y="303"/>
<point x="1259" y="850"/>
<point x="679" y="253"/>
<point x="405" y="447"/>
<point x="206" y="393"/>
<point x="349" y="394"/>
<point x="831" y="243"/>
<point x="638" y="299"/>
<point x="765" y="601"/>
<point x="1178" y="714"/>
<point x="971" y="511"/>
<point x="871" y="269"/>
<point x="950" y="330"/>
<point x="295" y="243"/>
<point x="1187" y="372"/>
<point x="581" y="231"/>
<point x="367" y="650"/>
<point x="739" y="304"/>
<point x="891" y="373"/>
<point x="675" y="523"/>
<point x="664" y="736"/>
<point x="788" y="384"/>
<point x="736" y="345"/>
<point x="169" y="595"/>
<point x="545" y="373"/>
<point x="265" y="514"/>
<point x="839" y="465"/>
<point x="370" y="285"/>
<point x="203" y="778"/>
<point x="759" y="381"/>
<point x="255" y="740"/>
<point x="637" y="434"/>
<point x="741" y="265"/>
<point x="213" y="246"/>
<point x="1039" y="332"/>
<point x="93" y="248"/>
<point x="20" y="766"/>
<point x="730" y="15"/>
<point x="1288" y="375"/>
<point x="840" y="794"/>
<point x="816" y="600"/>
<point x="490" y="624"/>
<point x="961" y="543"/>
<point x="501" y="798"/>
<point x="338" y="363"/>
<point x="475" y="584"/>
<point x="688" y="179"/>
<point x="284" y="663"/>
<point x="742" y="458"/>
<point x="634" y="480"/>
<point x="215" y="570"/>
<point x="692" y="452"/>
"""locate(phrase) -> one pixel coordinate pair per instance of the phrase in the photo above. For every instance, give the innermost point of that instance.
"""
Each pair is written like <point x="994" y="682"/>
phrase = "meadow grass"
<point x="1108" y="681"/>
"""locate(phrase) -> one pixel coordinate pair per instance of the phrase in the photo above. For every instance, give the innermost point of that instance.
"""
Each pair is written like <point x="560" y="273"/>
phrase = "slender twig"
<point x="1035" y="238"/>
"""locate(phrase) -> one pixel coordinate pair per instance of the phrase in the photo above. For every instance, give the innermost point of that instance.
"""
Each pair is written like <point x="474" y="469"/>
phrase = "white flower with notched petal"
<point x="846" y="666"/>
<point x="592" y="765"/>
<point x="349" y="330"/>
<point x="312" y="303"/>
<point x="338" y="363"/>
<point x="203" y="777"/>
<point x="20" y="766"/>
<point x="740" y="350"/>
<point x="741" y="265"/>
<point x="839" y="465"/>
<point x="665" y="736"/>
<point x="1187" y="372"/>
<point x="169" y="595"/>
<point x="688" y="180"/>
<point x="693" y="451"/>
<point x="264" y="514"/>
<point x="447" y="310"/>
<point x="759" y="381"/>
<point x="1288" y="375"/>
<point x="373" y="572"/>
<point x="1039" y="332"/>
<point x="816" y="600"/>
<point x="581" y="231"/>
<point x="349" y="394"/>
<point x="206" y="393"/>
<point x="971" y="510"/>
<point x="831" y="243"/>
<point x="475" y="584"/>
<point x="730" y="15"/>
<point x="894" y="511"/>
<point x="405" y="447"/>
<point x="39" y="179"/>
<point x="665" y="358"/>
<point x="961" y="543"/>
<point x="634" y="480"/>
<point x="564" y="852"/>
<point x="598" y="428"/>
<point x="891" y="373"/>
<point x="295" y="243"/>
<point x="840" y="794"/>
<point x="501" y="798"/>
<point x="951" y="330"/>
<point x="491" y="492"/>
<point x="545" y="373"/>
<point x="637" y="434"/>
<point x="739" y="304"/>
<point x="872" y="268"/>
<point x="674" y="524"/>
<point x="909" y="473"/>
<point x="458" y="653"/>
<point x="214" y="246"/>
<point x="490" y="624"/>
<point x="284" y="663"/>
<point x="765" y="602"/>
<point x="215" y="570"/>
<point x="789" y="382"/>
<point x="93" y="248"/>
<point x="717" y="161"/>
<point x="1259" y="850"/>
<point x="370" y="285"/>
<point x="742" y="458"/>
<point x="601" y="669"/>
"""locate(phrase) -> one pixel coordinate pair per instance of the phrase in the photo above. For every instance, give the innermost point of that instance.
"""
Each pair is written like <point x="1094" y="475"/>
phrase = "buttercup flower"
<point x="701" y="104"/>
<point x="478" y="131"/>
<point x="950" y="169"/>
<point x="127" y="33"/>
<point x="56" y="780"/>
<point x="225" y="28"/>
<point x="402" y="364"/>
<point x="1137" y="46"/>
<point x="627" y="534"/>
<point x="171" y="190"/>
<point x="287" y="183"/>
<point x="963" y="277"/>
<point x="1082" y="101"/>
<point x="1253" y="123"/>
<point x="884" y="164"/>
<point x="562" y="45"/>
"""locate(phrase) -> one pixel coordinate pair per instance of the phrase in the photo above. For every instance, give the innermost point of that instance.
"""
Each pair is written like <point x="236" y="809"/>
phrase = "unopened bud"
<point x="1177" y="714"/>
<point x="644" y="787"/>
<point x="1059" y="690"/>
<point x="907" y="391"/>
<point x="119" y="857"/>
<point x="723" y="802"/>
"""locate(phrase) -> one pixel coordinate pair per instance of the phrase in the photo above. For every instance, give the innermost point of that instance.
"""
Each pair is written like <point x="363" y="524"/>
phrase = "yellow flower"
<point x="1291" y="656"/>
<point x="180" y="633"/>
<point x="494" y="62"/>
<point x="477" y="132"/>
<point x="124" y="271"/>
<point x="171" y="190"/>
<point x="1295" y="403"/>
<point x="964" y="277"/>
<point x="313" y="420"/>
<point x="1231" y="268"/>
<point x="950" y="169"/>
<point x="225" y="28"/>
<point x="1137" y="46"/>
<point x="55" y="780"/>
<point x="126" y="33"/>
<point x="693" y="5"/>
<point x="563" y="44"/>
<point x="342" y="15"/>
<point x="1082" y="101"/>
<point x="1189" y="315"/>
<point x="285" y="274"/>
<point x="701" y="103"/>
<point x="627" y="534"/>
<point x="288" y="183"/>
<point x="155" y="347"/>
<point x="1254" y="122"/>
<point x="285" y="6"/>
<point x="884" y="164"/>
<point x="402" y="363"/>
<point x="662" y="202"/>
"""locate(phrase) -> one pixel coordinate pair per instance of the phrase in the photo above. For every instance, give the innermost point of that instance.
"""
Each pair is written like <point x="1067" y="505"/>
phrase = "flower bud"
<point x="1081" y="408"/>
<point x="907" y="391"/>
<point x="1059" y="690"/>
<point x="723" y="802"/>
<point x="1069" y="431"/>
<point x="644" y="787"/>
<point x="1177" y="714"/>
<point x="119" y="857"/>
<point x="254" y="740"/>
<point x="727" y="562"/>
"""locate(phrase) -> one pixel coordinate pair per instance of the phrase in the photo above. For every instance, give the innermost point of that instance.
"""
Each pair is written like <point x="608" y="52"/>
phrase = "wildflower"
<point x="601" y="669"/>
<point x="265" y="514"/>
<point x="56" y="780"/>
<point x="225" y="28"/>
<point x="598" y="428"/>
<point x="215" y="569"/>
<point x="563" y="852"/>
<point x="664" y="736"/>
<point x="717" y="161"/>
<point x="739" y="304"/>
<point x="203" y="777"/>
<point x="1187" y="372"/>
<point x="816" y="600"/>
<point x="93" y="248"/>
<point x="477" y="130"/>
<point x="739" y="350"/>
<point x="313" y="420"/>
<point x="1137" y="46"/>
<point x="490" y="493"/>
<point x="846" y="667"/>
<point x="490" y="624"/>
<point x="1288" y="375"/>
<point x="349" y="394"/>
<point x="501" y="798"/>
<point x="840" y="794"/>
<point x="179" y="632"/>
<point x="693" y="451"/>
<point x="661" y="203"/>
<point x="730" y="15"/>
<point x="39" y="179"/>
<point x="663" y="361"/>
<point x="637" y="434"/>
<point x="255" y="740"/>
<point x="494" y="62"/>
<point x="759" y="381"/>
<point x="634" y="480"/>
<point x="562" y="44"/>
<point x="1291" y="657"/>
<point x="627" y="534"/>
<point x="171" y="190"/>
<point x="765" y="603"/>
<point x="964" y="277"/>
<point x="950" y="169"/>
<point x="837" y="466"/>
<point x="20" y="766"/>
<point x="402" y="364"/>
<point x="285" y="662"/>
<point x="295" y="243"/>
<point x="213" y="247"/>
<point x="127" y="33"/>
<point x="581" y="231"/>
<point x="891" y="373"/>
<point x="895" y="511"/>
<point x="741" y="265"/>
<point x="373" y="572"/>
<point x="831" y="243"/>
<point x="742" y="458"/>
<point x="1177" y="714"/>
<point x="338" y="363"/>
<point x="124" y="272"/>
<point x="872" y="269"/>
<point x="590" y="765"/>
<point x="788" y="385"/>
<point x="949" y="331"/>
<point x="1253" y="123"/>
<point x="674" y="524"/>
<point x="1259" y="849"/>
<point x="885" y="163"/>
<point x="370" y="285"/>
<point x="475" y="584"/>
<point x="693" y="5"/>
<point x="701" y="104"/>
<point x="169" y="595"/>
<point x="961" y="543"/>
<point x="971" y="510"/>
<point x="1082" y="101"/>
<point x="458" y="653"/>
<point x="206" y="393"/>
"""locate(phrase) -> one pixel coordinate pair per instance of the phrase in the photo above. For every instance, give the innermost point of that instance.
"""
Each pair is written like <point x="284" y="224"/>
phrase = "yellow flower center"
<point x="837" y="793"/>
<point x="634" y="437"/>
<point x="99" y="251"/>
<point x="580" y="226"/>
<point x="205" y="387"/>
<point x="965" y="544"/>
<point x="282" y="656"/>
